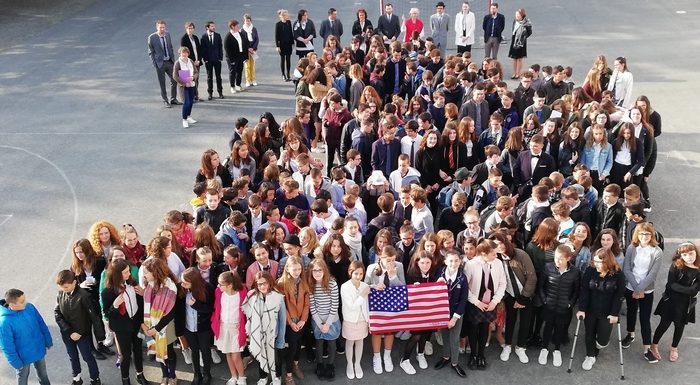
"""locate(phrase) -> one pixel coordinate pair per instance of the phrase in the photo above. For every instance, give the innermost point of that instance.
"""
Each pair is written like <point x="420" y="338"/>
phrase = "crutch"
<point x="622" y="361"/>
<point x="573" y="347"/>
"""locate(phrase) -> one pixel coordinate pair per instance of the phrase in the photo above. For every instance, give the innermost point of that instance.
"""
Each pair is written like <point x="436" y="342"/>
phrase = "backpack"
<point x="659" y="237"/>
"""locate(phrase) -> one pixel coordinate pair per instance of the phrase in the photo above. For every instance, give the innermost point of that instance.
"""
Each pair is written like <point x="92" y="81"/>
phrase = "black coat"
<point x="194" y="54"/>
<point x="523" y="175"/>
<point x="388" y="28"/>
<point x="304" y="33"/>
<point x="604" y="218"/>
<point x="559" y="292"/>
<point x="76" y="313"/>
<point x="357" y="29"/>
<point x="234" y="53"/>
<point x="284" y="37"/>
<point x="211" y="51"/>
<point x="117" y="322"/>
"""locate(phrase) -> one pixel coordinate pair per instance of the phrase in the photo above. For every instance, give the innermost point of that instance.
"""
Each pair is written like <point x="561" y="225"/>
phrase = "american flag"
<point x="413" y="307"/>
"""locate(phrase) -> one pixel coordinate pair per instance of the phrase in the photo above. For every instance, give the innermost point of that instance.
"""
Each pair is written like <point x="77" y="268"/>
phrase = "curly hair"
<point x="94" y="235"/>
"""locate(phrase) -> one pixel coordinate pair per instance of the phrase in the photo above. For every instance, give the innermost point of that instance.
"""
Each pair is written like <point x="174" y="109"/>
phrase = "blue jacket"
<point x="458" y="291"/>
<point x="24" y="336"/>
<point x="605" y="160"/>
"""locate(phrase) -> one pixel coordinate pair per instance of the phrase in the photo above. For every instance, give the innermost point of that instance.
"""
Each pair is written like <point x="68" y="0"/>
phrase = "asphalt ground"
<point x="85" y="136"/>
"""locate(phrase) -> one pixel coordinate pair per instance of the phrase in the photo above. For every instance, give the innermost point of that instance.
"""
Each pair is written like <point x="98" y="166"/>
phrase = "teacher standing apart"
<point x="464" y="29"/>
<point x="522" y="29"/>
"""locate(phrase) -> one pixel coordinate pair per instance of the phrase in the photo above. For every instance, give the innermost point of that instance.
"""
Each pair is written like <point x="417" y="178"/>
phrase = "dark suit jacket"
<point x="379" y="159"/>
<point x="155" y="49"/>
<point x="212" y="52"/>
<point x="498" y="27"/>
<point x="390" y="75"/>
<point x="233" y="51"/>
<point x="469" y="109"/>
<point x="357" y="29"/>
<point x="523" y="175"/>
<point x="389" y="28"/>
<point x="185" y="42"/>
<point x="326" y="29"/>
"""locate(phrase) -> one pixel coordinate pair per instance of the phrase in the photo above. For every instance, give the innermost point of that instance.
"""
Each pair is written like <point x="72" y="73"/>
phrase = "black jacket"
<point x="604" y="218"/>
<point x="75" y="313"/>
<point x="204" y="309"/>
<point x="601" y="296"/>
<point x="582" y="214"/>
<point x="117" y="322"/>
<point x="234" y="53"/>
<point x="211" y="51"/>
<point x="284" y="37"/>
<point x="559" y="292"/>
<point x="194" y="54"/>
<point x="555" y="91"/>
<point x="523" y="99"/>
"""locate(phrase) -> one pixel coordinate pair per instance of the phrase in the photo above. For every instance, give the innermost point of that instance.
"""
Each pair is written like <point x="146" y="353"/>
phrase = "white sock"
<point x="387" y="352"/>
<point x="377" y="355"/>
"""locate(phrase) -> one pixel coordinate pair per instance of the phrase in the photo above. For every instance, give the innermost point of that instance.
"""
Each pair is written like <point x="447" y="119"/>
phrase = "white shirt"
<point x="256" y="222"/>
<point x="406" y="146"/>
<point x="237" y="36"/>
<point x="642" y="264"/>
<point x="534" y="161"/>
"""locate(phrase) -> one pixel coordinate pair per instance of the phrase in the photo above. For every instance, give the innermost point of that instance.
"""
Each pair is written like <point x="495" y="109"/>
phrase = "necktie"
<point x="451" y="157"/>
<point x="487" y="277"/>
<point x="412" y="153"/>
<point x="449" y="282"/>
<point x="165" y="48"/>
<point x="211" y="38"/>
<point x="477" y="121"/>
<point x="387" y="162"/>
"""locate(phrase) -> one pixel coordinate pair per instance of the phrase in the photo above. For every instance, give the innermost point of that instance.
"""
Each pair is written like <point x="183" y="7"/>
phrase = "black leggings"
<point x="512" y="315"/>
<point x="285" y="63"/>
<point x="478" y="333"/>
<point x="200" y="343"/>
<point x="678" y="327"/>
<point x="168" y="368"/>
<point x="417" y="338"/>
<point x="331" y="351"/>
<point x="293" y="347"/>
<point x="130" y="343"/>
<point x="555" y="328"/>
<point x="644" y="305"/>
<point x="597" y="330"/>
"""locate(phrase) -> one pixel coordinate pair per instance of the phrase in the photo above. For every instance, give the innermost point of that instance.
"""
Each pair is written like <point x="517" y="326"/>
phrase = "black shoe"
<point x="321" y="371"/>
<point x="330" y="372"/>
<point x="310" y="354"/>
<point x="340" y="349"/>
<point x="99" y="355"/>
<point x="210" y="97"/>
<point x="221" y="95"/>
<point x="175" y="102"/>
<point x="167" y="104"/>
<point x="481" y="363"/>
<point x="206" y="380"/>
<point x="459" y="370"/>
<point x="473" y="363"/>
<point x="79" y="382"/>
<point x="627" y="341"/>
<point x="105" y="350"/>
<point x="196" y="380"/>
<point x="141" y="379"/>
<point x="441" y="363"/>
<point x="650" y="357"/>
<point x="96" y="382"/>
<point x="126" y="381"/>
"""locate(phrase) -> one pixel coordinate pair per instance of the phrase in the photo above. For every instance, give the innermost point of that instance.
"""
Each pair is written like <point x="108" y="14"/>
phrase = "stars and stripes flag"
<point x="424" y="306"/>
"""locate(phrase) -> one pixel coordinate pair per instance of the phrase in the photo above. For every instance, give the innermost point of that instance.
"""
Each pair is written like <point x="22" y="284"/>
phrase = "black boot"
<point x="321" y="371"/>
<point x="96" y="382"/>
<point x="126" y="381"/>
<point x="141" y="379"/>
<point x="330" y="372"/>
<point x="473" y="363"/>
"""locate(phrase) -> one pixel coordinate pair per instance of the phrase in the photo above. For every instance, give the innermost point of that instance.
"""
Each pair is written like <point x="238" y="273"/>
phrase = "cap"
<point x="292" y="239"/>
<point x="462" y="173"/>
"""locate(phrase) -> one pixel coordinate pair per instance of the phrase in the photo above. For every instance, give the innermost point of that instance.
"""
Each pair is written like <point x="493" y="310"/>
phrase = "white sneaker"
<point x="254" y="83"/>
<point x="241" y="381"/>
<point x="187" y="354"/>
<point x="422" y="363"/>
<point x="247" y="84"/>
<point x="185" y="124"/>
<point x="109" y="339"/>
<point x="262" y="381"/>
<point x="407" y="367"/>
<point x="377" y="364"/>
<point x="358" y="372"/>
<point x="588" y="363"/>
<point x="215" y="356"/>
<point x="468" y="350"/>
<point x="542" y="360"/>
<point x="190" y="120"/>
<point x="462" y="350"/>
<point x="505" y="354"/>
<point x="233" y="90"/>
<point x="276" y="381"/>
<point x="388" y="365"/>
<point x="239" y="89"/>
<point x="438" y="338"/>
<point x="232" y="381"/>
<point x="350" y="371"/>
<point x="556" y="358"/>
<point x="428" y="348"/>
<point x="522" y="355"/>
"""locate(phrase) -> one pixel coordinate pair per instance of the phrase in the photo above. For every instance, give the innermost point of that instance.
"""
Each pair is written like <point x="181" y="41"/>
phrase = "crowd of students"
<point x="527" y="203"/>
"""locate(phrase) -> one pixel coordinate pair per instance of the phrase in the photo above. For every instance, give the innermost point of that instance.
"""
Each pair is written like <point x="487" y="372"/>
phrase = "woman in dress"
<point x="284" y="41"/>
<point x="522" y="29"/>
<point x="228" y="323"/>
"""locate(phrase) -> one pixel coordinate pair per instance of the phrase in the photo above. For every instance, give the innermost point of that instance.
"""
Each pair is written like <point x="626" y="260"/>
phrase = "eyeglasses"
<point x="317" y="271"/>
<point x="645" y="234"/>
<point x="261" y="284"/>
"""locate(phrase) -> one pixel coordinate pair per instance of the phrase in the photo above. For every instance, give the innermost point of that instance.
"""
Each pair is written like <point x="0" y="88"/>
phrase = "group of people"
<point x="530" y="205"/>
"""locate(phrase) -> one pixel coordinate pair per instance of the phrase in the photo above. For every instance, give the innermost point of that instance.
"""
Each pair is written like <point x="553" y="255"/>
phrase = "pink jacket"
<point x="216" y="316"/>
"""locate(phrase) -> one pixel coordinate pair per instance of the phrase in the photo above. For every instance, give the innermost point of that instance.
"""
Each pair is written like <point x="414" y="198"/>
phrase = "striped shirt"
<point x="324" y="304"/>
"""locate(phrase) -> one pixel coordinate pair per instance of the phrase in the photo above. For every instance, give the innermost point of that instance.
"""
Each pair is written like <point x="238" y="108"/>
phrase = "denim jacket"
<point x="605" y="160"/>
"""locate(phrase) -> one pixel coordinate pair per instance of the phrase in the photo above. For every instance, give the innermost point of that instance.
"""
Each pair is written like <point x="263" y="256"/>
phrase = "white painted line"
<point x="681" y="12"/>
<point x="4" y="218"/>
<point x="681" y="240"/>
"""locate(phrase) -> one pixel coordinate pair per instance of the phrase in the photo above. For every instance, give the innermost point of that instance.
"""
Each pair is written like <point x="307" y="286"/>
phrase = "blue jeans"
<point x="40" y="366"/>
<point x="187" y="103"/>
<point x="84" y="345"/>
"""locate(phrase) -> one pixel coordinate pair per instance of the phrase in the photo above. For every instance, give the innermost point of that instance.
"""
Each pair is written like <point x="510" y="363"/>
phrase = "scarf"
<point x="135" y="255"/>
<point x="519" y="30"/>
<point x="355" y="245"/>
<point x="156" y="306"/>
<point x="261" y="326"/>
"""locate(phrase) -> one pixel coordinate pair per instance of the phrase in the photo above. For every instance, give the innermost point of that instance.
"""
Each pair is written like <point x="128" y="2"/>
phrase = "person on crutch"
<point x="602" y="290"/>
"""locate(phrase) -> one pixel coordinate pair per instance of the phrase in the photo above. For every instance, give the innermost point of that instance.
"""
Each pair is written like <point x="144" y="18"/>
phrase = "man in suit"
<point x="389" y="26"/>
<point x="531" y="166"/>
<point x="386" y="151"/>
<point x="236" y="46"/>
<point x="191" y="41"/>
<point x="212" y="55"/>
<point x="394" y="73"/>
<point x="493" y="25"/>
<point x="160" y="50"/>
<point x="331" y="26"/>
<point x="440" y="25"/>
<point x="477" y="109"/>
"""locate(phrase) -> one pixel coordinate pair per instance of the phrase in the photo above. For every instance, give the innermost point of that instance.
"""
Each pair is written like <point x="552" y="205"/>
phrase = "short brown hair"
<point x="65" y="276"/>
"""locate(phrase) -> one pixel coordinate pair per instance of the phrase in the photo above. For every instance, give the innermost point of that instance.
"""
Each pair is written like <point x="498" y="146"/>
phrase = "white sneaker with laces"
<point x="247" y="84"/>
<point x="422" y="363"/>
<point x="377" y="365"/>
<point x="187" y="354"/>
<point x="556" y="358"/>
<point x="407" y="367"/>
<point x="588" y="363"/>
<point x="241" y="381"/>
<point x="185" y="124"/>
<point x="215" y="356"/>
<point x="232" y="381"/>
<point x="428" y="348"/>
<point x="505" y="353"/>
<point x="239" y="89"/>
<point x="388" y="365"/>
<point x="542" y="360"/>
<point x="522" y="355"/>
<point x="190" y="120"/>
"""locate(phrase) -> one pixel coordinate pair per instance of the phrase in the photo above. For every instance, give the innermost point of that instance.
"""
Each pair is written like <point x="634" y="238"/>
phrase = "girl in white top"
<point x="353" y="295"/>
<point x="228" y="323"/>
<point x="621" y="83"/>
<point x="386" y="272"/>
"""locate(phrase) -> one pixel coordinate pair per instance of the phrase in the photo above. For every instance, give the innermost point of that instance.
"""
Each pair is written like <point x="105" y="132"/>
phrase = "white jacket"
<point x="355" y="307"/>
<point x="459" y="28"/>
